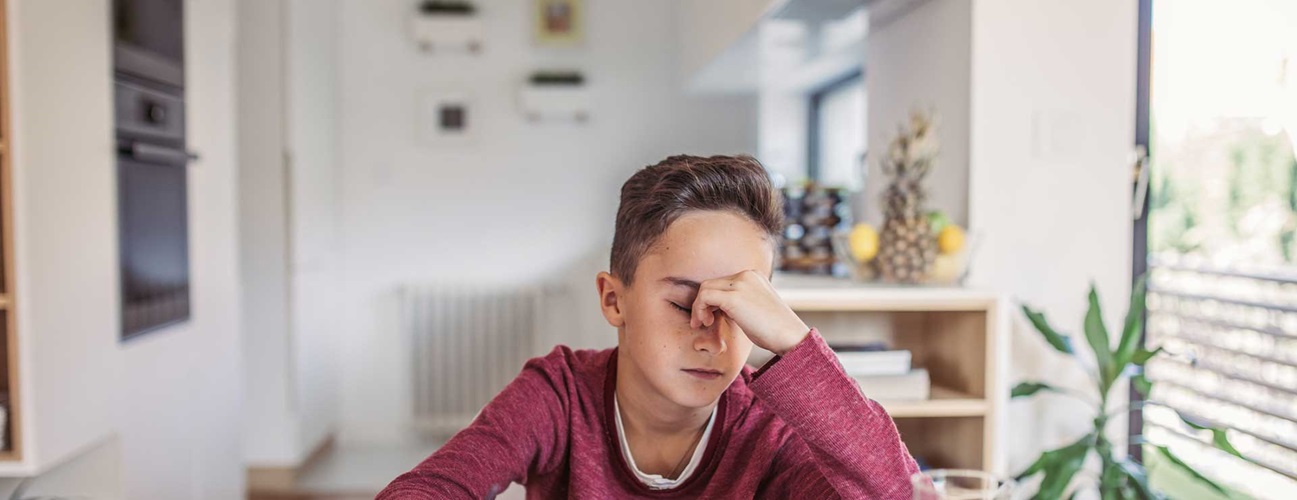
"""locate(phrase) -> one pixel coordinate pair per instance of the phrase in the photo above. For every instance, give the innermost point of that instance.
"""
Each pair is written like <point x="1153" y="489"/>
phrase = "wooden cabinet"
<point x="958" y="335"/>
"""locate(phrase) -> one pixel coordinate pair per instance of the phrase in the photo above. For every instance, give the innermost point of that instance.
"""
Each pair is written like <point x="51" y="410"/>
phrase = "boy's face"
<point x="655" y="339"/>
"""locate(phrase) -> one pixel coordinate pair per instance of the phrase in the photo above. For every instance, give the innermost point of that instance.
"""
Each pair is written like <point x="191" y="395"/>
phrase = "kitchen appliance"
<point x="152" y="163"/>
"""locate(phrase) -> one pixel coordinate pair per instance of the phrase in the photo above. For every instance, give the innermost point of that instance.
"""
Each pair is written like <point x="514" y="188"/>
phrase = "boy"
<point x="673" y="411"/>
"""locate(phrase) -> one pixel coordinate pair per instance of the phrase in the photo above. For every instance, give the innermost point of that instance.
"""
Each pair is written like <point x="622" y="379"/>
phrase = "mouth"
<point x="703" y="373"/>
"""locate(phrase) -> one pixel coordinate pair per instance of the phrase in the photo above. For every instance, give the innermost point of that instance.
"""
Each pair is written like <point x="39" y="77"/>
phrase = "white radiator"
<point x="467" y="344"/>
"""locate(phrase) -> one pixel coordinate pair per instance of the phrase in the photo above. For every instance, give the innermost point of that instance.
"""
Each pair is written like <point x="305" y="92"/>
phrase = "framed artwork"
<point x="446" y="116"/>
<point x="559" y="23"/>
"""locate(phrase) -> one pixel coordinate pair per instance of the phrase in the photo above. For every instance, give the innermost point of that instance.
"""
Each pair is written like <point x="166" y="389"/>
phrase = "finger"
<point x="708" y="299"/>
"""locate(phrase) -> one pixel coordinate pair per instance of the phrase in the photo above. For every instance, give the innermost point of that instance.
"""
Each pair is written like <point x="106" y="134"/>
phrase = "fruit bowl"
<point x="948" y="269"/>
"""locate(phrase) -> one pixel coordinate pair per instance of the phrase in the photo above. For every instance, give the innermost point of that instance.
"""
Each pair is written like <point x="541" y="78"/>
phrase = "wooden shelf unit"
<point x="12" y="451"/>
<point x="944" y="403"/>
<point x="955" y="333"/>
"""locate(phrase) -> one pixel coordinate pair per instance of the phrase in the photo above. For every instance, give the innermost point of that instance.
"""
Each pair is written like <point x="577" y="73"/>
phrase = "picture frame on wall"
<point x="446" y="116"/>
<point x="559" y="23"/>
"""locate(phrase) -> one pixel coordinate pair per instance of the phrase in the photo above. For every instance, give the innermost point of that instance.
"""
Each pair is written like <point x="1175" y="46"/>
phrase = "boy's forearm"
<point x="448" y="473"/>
<point x="514" y="432"/>
<point x="853" y="440"/>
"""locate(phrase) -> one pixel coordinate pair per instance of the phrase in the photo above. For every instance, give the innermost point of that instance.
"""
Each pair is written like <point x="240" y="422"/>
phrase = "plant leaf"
<point x="1138" y="477"/>
<point x="1060" y="342"/>
<point x="1024" y="389"/>
<point x="1060" y="474"/>
<point x="1142" y="356"/>
<point x="1059" y="466"/>
<point x="1221" y="441"/>
<point x="1130" y="335"/>
<point x="1175" y="462"/>
<point x="1218" y="436"/>
<point x="1097" y="335"/>
<point x="1111" y="479"/>
<point x="1142" y="384"/>
<point x="1049" y="458"/>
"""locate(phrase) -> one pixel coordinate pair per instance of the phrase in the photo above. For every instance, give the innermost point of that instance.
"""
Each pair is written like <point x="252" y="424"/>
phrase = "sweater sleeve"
<point x="521" y="432"/>
<point x="844" y="444"/>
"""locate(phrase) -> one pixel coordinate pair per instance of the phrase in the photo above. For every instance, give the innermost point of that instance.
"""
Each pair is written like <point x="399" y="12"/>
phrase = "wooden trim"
<point x="277" y="482"/>
<point x="945" y="402"/>
<point x="15" y="450"/>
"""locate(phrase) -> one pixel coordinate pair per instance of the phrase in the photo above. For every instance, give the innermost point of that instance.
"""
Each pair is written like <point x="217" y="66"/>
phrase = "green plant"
<point x="1119" y="477"/>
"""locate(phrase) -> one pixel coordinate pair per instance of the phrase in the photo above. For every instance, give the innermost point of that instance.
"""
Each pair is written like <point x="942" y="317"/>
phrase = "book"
<point x="868" y="362"/>
<point x="912" y="386"/>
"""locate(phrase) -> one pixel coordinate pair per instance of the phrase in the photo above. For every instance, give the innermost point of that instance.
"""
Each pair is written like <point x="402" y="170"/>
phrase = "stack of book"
<point x="883" y="374"/>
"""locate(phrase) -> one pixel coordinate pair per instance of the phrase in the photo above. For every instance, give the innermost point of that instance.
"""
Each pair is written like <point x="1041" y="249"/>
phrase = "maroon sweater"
<point x="797" y="428"/>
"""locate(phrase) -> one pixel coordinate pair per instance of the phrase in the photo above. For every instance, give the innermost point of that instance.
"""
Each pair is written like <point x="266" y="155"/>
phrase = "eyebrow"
<point x="674" y="281"/>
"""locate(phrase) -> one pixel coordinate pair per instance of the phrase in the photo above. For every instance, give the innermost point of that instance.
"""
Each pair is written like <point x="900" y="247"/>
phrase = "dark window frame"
<point x="1139" y="262"/>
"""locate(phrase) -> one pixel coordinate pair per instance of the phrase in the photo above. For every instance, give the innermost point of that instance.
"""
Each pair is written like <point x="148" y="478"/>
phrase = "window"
<point x="836" y="144"/>
<point x="1221" y="242"/>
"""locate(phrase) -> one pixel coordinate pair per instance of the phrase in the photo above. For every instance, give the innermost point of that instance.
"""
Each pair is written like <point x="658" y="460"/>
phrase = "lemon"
<point x="945" y="269"/>
<point x="864" y="242"/>
<point x="951" y="239"/>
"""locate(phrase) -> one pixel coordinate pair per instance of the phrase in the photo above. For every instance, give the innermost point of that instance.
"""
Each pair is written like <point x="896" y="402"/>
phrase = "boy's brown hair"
<point x="659" y="194"/>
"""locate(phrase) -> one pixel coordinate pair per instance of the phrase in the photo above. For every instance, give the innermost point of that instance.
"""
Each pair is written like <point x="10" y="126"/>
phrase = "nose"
<point x="711" y="339"/>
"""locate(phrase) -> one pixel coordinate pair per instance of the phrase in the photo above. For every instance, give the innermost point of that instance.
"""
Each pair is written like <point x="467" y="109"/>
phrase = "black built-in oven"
<point x="149" y="40"/>
<point x="152" y="163"/>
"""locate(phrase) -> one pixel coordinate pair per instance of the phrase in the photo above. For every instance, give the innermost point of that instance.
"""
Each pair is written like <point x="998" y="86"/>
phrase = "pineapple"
<point x="908" y="246"/>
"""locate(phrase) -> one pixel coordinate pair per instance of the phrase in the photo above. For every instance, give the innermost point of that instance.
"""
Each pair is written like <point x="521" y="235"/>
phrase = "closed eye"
<point x="680" y="308"/>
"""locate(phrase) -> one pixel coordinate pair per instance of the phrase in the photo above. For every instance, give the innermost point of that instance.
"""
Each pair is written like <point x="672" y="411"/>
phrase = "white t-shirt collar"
<point x="656" y="481"/>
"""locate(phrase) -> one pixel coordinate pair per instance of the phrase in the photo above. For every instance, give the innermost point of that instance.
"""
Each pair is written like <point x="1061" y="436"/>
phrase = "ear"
<point x="610" y="294"/>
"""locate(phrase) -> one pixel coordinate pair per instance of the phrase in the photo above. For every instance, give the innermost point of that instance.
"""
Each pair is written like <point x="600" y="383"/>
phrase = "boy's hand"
<point x="750" y="300"/>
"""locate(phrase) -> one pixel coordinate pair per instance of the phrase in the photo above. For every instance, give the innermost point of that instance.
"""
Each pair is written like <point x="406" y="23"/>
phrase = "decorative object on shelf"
<point x="445" y="117"/>
<point x="447" y="25"/>
<point x="812" y="214"/>
<point x="555" y="95"/>
<point x="907" y="246"/>
<point x="914" y="246"/>
<point x="859" y="247"/>
<point x="1119" y="476"/>
<point x="873" y="358"/>
<point x="559" y="23"/>
<point x="883" y="373"/>
<point x="913" y="385"/>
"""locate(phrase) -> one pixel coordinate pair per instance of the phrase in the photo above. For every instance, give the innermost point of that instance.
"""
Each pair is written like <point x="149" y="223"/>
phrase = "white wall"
<point x="312" y="108"/>
<point x="1052" y="200"/>
<point x="921" y="61"/>
<point x="270" y="434"/>
<point x="289" y="209"/>
<point x="523" y="202"/>
<point x="173" y="395"/>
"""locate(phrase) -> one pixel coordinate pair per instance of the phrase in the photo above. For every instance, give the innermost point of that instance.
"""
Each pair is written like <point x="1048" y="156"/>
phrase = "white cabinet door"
<point x="65" y="229"/>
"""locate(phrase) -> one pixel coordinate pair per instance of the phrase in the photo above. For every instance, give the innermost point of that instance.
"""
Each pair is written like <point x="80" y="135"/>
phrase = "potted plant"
<point x="1119" y="477"/>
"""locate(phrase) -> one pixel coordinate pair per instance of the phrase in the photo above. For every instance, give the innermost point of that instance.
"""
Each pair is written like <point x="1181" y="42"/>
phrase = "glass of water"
<point x="957" y="484"/>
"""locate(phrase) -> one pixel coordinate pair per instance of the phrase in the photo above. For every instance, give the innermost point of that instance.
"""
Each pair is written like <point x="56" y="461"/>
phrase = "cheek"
<point x="661" y="337"/>
<point x="740" y="344"/>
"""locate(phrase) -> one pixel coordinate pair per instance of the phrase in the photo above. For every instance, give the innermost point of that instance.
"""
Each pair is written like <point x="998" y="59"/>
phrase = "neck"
<point x="646" y="413"/>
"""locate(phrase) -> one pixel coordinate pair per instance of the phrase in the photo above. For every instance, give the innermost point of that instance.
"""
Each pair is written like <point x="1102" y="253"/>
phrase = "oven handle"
<point x="150" y="153"/>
